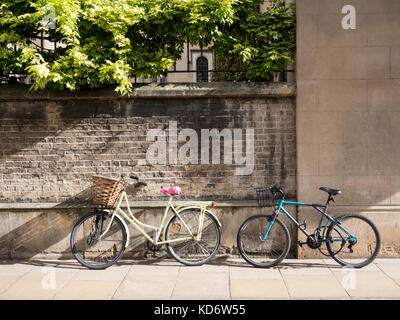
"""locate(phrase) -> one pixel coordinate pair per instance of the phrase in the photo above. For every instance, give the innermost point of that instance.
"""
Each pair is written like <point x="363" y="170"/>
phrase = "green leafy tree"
<point x="258" y="43"/>
<point x="101" y="42"/>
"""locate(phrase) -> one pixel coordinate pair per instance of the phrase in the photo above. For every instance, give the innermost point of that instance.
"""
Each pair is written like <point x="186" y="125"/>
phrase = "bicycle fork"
<point x="271" y="223"/>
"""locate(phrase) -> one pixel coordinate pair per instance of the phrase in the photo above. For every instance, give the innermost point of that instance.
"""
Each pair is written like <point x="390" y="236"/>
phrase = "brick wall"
<point x="52" y="145"/>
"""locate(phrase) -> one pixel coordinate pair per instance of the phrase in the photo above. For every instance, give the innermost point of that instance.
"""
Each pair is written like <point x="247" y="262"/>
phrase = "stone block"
<point x="307" y="6"/>
<point x="371" y="6"/>
<point x="331" y="34"/>
<point x="395" y="62"/>
<point x="306" y="63"/>
<point x="329" y="63"/>
<point x="343" y="95"/>
<point x="384" y="29"/>
<point x="356" y="127"/>
<point x="383" y="95"/>
<point x="307" y="31"/>
<point x="331" y="159"/>
<point x="369" y="285"/>
<point x="330" y="6"/>
<point x="314" y="286"/>
<point x="355" y="161"/>
<point x="366" y="63"/>
<point x="320" y="127"/>
<point x="308" y="187"/>
<point x="395" y="190"/>
<point x="258" y="289"/>
<point x="87" y="290"/>
<point x="307" y="95"/>
<point x="380" y="159"/>
<point x="307" y="159"/>
<point x="394" y="6"/>
<point x="366" y="190"/>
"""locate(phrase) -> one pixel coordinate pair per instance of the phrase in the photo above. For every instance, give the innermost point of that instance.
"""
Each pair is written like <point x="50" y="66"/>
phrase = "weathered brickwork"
<point x="50" y="149"/>
<point x="51" y="146"/>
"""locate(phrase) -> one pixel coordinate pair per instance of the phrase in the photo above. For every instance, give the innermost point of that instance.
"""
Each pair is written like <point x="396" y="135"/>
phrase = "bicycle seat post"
<point x="329" y="199"/>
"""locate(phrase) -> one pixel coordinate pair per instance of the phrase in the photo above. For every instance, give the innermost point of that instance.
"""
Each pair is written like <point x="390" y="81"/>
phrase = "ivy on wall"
<point x="110" y="41"/>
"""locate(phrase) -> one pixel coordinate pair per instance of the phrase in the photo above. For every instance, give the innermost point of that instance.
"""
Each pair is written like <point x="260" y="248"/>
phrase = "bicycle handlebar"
<point x="277" y="189"/>
<point x="136" y="184"/>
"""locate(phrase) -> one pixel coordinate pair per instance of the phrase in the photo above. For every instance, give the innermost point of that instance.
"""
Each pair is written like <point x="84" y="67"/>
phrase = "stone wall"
<point x="348" y="117"/>
<point x="52" y="144"/>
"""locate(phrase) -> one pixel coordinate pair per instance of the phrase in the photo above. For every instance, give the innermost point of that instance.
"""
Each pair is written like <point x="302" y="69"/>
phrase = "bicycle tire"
<point x="73" y="244"/>
<point x="173" y="248"/>
<point x="334" y="253"/>
<point x="260" y="229"/>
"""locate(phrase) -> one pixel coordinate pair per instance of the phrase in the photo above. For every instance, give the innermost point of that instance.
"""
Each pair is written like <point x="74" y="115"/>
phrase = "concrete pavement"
<point x="225" y="278"/>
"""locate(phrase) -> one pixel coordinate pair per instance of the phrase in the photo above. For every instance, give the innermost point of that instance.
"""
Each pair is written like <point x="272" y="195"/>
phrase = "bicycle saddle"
<point x="332" y="192"/>
<point x="171" y="190"/>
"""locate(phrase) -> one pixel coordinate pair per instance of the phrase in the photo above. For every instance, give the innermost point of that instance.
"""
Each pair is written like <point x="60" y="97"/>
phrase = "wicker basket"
<point x="106" y="191"/>
<point x="263" y="199"/>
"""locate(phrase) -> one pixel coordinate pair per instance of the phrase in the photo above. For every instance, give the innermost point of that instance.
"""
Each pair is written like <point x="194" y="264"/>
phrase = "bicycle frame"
<point x="157" y="230"/>
<point x="324" y="214"/>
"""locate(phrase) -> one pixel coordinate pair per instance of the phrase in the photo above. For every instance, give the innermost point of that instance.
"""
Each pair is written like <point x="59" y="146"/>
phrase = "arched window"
<point x="202" y="69"/>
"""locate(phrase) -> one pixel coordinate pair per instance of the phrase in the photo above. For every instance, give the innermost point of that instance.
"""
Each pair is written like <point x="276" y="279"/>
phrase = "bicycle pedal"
<point x="301" y="243"/>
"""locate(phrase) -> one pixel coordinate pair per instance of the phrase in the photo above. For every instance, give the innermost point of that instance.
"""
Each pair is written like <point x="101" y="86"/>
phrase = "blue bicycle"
<point x="263" y="240"/>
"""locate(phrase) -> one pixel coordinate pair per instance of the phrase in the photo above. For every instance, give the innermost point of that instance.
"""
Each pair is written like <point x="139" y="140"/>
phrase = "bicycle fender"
<point x="126" y="229"/>
<point x="185" y="208"/>
<point x="197" y="207"/>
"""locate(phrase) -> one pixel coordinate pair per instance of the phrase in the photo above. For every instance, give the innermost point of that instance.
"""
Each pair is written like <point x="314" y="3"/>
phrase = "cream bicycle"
<point x="192" y="234"/>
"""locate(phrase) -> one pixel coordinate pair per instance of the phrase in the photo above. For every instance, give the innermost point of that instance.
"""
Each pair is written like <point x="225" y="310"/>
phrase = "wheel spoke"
<point x="98" y="253"/>
<point x="263" y="253"/>
<point x="194" y="252"/>
<point x="358" y="253"/>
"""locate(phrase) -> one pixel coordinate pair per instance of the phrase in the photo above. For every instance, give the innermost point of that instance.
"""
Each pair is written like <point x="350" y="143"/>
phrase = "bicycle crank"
<point x="152" y="247"/>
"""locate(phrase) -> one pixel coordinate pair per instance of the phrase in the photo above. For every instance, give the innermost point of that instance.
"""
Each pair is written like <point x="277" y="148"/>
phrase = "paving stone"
<point x="10" y="268"/>
<point x="262" y="288"/>
<point x="368" y="284"/>
<point x="387" y="260"/>
<point x="304" y="270"/>
<point x="138" y="289"/>
<point x="37" y="285"/>
<point x="87" y="290"/>
<point x="152" y="272"/>
<point x="203" y="269"/>
<point x="368" y="268"/>
<point x="7" y="280"/>
<point x="211" y="286"/>
<point x="251" y="272"/>
<point x="314" y="286"/>
<point x="113" y="273"/>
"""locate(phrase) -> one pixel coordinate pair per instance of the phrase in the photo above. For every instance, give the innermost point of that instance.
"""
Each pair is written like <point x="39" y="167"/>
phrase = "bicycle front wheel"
<point x="95" y="253"/>
<point x="355" y="242"/>
<point x="191" y="251"/>
<point x="263" y="253"/>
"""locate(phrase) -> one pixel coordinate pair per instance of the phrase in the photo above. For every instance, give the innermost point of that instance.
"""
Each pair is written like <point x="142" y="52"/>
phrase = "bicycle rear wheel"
<point x="263" y="253"/>
<point x="97" y="253"/>
<point x="193" y="252"/>
<point x="357" y="252"/>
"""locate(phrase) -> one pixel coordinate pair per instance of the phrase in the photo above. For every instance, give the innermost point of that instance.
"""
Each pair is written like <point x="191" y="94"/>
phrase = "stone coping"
<point x="161" y="204"/>
<point x="134" y="204"/>
<point x="157" y="90"/>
